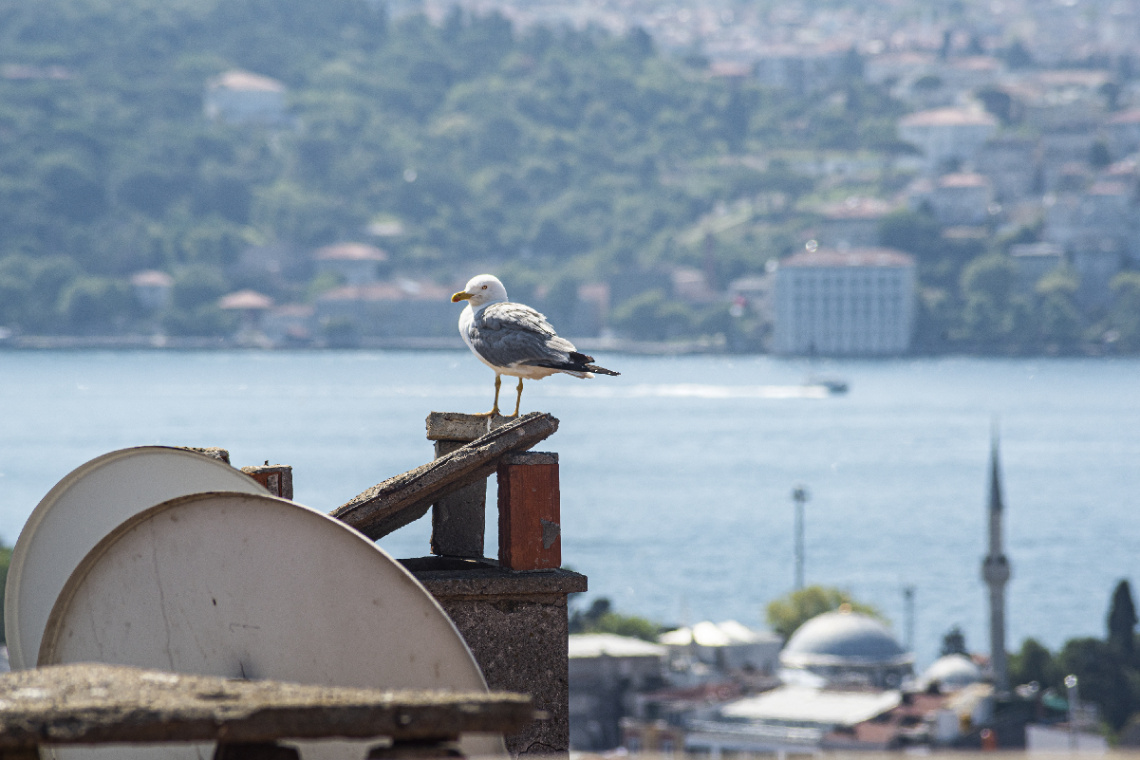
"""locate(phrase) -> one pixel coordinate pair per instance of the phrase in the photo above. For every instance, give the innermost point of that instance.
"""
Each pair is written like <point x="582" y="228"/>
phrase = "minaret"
<point x="995" y="572"/>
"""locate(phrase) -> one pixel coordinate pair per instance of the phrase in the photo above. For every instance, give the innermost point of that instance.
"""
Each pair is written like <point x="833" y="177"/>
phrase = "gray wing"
<point x="511" y="333"/>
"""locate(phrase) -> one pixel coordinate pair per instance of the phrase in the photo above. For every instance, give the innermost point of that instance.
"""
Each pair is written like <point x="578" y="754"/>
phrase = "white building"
<point x="241" y="97"/>
<point x="962" y="198"/>
<point x="152" y="289"/>
<point x="727" y="646"/>
<point x="839" y="669"/>
<point x="859" y="302"/>
<point x="948" y="135"/>
<point x="605" y="674"/>
<point x="353" y="263"/>
<point x="845" y="648"/>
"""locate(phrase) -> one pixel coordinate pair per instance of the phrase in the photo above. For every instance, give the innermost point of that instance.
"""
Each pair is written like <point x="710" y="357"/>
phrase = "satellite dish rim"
<point x="24" y="543"/>
<point x="108" y="542"/>
<point x="77" y="591"/>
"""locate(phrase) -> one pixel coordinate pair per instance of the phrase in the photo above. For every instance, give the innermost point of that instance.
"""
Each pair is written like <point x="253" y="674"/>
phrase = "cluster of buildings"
<point x="841" y="682"/>
<point x="1022" y="115"/>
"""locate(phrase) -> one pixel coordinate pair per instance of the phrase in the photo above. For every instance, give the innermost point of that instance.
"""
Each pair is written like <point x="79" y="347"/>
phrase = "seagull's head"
<point x="481" y="289"/>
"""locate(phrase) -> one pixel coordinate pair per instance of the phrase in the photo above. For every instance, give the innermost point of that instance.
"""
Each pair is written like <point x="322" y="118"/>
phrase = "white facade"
<point x="948" y="134"/>
<point x="726" y="646"/>
<point x="241" y="97"/>
<point x="848" y="303"/>
<point x="152" y="289"/>
<point x="961" y="199"/>
<point x="353" y="263"/>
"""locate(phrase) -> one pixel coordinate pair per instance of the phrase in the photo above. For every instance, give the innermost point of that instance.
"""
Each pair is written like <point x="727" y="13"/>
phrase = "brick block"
<point x="529" y="512"/>
<point x="277" y="478"/>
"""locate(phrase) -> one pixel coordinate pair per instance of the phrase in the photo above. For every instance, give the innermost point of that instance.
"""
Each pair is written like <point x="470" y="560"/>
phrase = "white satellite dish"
<point x="252" y="586"/>
<point x="87" y="504"/>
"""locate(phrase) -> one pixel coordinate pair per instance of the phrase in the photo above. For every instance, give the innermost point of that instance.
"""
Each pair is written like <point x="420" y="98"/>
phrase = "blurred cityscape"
<point x="831" y="677"/>
<point x="838" y="178"/>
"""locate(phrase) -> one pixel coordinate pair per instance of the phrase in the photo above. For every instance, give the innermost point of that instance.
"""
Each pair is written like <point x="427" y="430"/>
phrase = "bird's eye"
<point x="484" y="287"/>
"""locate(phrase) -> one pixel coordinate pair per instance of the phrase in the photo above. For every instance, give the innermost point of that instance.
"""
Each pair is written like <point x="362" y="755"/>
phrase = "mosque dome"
<point x="846" y="646"/>
<point x="951" y="672"/>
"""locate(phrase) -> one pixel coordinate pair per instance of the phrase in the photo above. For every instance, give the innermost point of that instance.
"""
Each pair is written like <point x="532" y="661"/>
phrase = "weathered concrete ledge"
<point x="457" y="426"/>
<point x="531" y="457"/>
<point x="113" y="704"/>
<point x="446" y="578"/>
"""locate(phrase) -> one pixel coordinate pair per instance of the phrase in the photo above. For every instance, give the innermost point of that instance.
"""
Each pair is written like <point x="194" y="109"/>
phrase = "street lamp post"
<point x="1073" y="697"/>
<point x="799" y="496"/>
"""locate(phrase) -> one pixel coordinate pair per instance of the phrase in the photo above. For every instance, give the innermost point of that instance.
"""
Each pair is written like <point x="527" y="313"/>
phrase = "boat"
<point x="833" y="385"/>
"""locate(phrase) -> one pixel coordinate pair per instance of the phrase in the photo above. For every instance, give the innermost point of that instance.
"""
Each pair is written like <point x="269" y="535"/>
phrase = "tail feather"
<point x="579" y="363"/>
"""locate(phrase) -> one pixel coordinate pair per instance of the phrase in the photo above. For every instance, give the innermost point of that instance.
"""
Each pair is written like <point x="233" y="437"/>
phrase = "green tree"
<point x="917" y="233"/>
<point x="987" y="286"/>
<point x="789" y="612"/>
<point x="1060" y="319"/>
<point x="991" y="276"/>
<point x="652" y="316"/>
<point x="73" y="190"/>
<point x="30" y="288"/>
<point x="954" y="642"/>
<point x="601" y="618"/>
<point x="1122" y="620"/>
<point x="95" y="305"/>
<point x="197" y="286"/>
<point x="1104" y="678"/>
<point x="151" y="191"/>
<point x="1032" y="663"/>
<point x="998" y="102"/>
<point x="193" y="309"/>
<point x="934" y="319"/>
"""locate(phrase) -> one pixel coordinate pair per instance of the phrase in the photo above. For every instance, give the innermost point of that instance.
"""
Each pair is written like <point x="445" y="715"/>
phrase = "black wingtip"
<point x="600" y="370"/>
<point x="586" y="364"/>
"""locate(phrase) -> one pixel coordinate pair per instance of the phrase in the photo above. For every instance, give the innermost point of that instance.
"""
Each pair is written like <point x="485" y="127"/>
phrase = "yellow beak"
<point x="462" y="295"/>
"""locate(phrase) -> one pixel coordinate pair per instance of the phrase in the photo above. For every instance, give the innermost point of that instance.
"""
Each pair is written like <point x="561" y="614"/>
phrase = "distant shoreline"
<point x="692" y="347"/>
<point x="166" y="343"/>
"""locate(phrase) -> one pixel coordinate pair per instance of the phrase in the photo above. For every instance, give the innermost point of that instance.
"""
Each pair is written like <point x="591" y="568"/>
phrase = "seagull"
<point x="513" y="339"/>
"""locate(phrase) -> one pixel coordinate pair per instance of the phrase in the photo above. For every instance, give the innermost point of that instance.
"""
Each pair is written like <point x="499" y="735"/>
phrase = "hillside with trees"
<point x="553" y="155"/>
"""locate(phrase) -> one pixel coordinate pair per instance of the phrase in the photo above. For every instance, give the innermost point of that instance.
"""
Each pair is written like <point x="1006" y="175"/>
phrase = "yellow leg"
<point x="518" y="399"/>
<point x="494" y="406"/>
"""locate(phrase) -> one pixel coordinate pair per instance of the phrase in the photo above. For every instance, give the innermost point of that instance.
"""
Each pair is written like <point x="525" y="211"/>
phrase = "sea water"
<point x="677" y="476"/>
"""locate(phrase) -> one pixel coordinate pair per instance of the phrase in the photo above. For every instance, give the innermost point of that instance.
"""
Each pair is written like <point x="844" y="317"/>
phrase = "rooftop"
<point x="855" y="257"/>
<point x="858" y="208"/>
<point x="247" y="81"/>
<point x="709" y="634"/>
<point x="802" y="704"/>
<point x="350" y="252"/>
<point x="949" y="117"/>
<point x="152" y="278"/>
<point x="245" y="299"/>
<point x="963" y="179"/>
<point x="584" y="645"/>
<point x="843" y="637"/>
